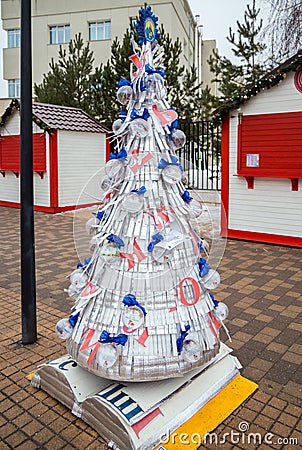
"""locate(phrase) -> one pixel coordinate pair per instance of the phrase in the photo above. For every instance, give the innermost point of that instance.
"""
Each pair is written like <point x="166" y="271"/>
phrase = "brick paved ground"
<point x="261" y="285"/>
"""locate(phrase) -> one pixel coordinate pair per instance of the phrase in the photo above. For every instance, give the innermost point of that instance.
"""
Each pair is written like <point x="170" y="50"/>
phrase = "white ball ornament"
<point x="124" y="94"/>
<point x="133" y="318"/>
<point x="221" y="311"/>
<point x="106" y="355"/>
<point x="72" y="291"/>
<point x="115" y="169"/>
<point x="191" y="351"/>
<point x="133" y="202"/>
<point x="211" y="280"/>
<point x="139" y="127"/>
<point x="105" y="184"/>
<point x="110" y="253"/>
<point x="78" y="279"/>
<point x="154" y="82"/>
<point x="117" y="124"/>
<point x="178" y="139"/>
<point x="93" y="244"/>
<point x="63" y="329"/>
<point x="184" y="178"/>
<point x="91" y="225"/>
<point x="161" y="254"/>
<point x="172" y="174"/>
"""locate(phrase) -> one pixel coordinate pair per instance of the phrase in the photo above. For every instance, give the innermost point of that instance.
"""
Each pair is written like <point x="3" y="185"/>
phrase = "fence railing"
<point x="201" y="155"/>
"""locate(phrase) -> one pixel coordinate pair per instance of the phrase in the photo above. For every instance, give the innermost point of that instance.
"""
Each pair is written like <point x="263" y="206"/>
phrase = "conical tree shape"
<point x="143" y="309"/>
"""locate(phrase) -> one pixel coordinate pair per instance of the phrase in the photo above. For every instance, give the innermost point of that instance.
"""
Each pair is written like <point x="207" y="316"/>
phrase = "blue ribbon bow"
<point x="140" y="191"/>
<point x="100" y="215"/>
<point x="73" y="319"/>
<point x="149" y="69"/>
<point x="134" y="114"/>
<point x="173" y="125"/>
<point x="203" y="267"/>
<point x="116" y="240"/>
<point x="86" y="265"/>
<point x="130" y="300"/>
<point x="186" y="197"/>
<point x="105" y="338"/>
<point x="122" y="154"/>
<point x="180" y="340"/>
<point x="164" y="163"/>
<point x="123" y="82"/>
<point x="142" y="86"/>
<point x="156" y="238"/>
<point x="122" y="115"/>
<point x="200" y="245"/>
<point x="216" y="302"/>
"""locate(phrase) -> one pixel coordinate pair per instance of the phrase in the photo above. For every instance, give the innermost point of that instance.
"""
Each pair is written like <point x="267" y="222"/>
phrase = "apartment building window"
<point x="100" y="31"/>
<point x="13" y="88"/>
<point x="13" y="38"/>
<point x="59" y="34"/>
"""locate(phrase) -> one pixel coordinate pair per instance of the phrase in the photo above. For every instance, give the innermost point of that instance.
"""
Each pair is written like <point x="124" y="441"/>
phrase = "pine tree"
<point x="171" y="63"/>
<point x="232" y="78"/>
<point x="72" y="80"/>
<point x="183" y="83"/>
<point x="248" y="47"/>
<point x="185" y="92"/>
<point x="106" y="77"/>
<point x="68" y="81"/>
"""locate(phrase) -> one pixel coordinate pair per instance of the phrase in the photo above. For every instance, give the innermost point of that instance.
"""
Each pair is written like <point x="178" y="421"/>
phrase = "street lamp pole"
<point x="28" y="280"/>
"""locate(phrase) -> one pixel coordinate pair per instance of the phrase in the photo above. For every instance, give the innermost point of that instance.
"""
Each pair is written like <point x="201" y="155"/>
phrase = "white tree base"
<point x="135" y="415"/>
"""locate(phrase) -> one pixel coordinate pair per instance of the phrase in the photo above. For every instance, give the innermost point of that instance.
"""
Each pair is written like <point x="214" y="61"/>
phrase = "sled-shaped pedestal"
<point x="142" y="416"/>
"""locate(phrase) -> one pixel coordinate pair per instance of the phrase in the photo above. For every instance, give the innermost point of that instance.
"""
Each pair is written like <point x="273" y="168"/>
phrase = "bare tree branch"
<point x="284" y="30"/>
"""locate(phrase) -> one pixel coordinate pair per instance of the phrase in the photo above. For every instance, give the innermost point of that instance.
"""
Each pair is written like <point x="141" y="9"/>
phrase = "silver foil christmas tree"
<point x="143" y="303"/>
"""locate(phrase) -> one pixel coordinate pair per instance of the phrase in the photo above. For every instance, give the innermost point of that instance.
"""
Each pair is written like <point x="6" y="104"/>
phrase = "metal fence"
<point x="201" y="155"/>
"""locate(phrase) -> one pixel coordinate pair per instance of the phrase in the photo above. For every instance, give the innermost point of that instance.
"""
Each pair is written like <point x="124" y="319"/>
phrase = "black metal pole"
<point x="28" y="279"/>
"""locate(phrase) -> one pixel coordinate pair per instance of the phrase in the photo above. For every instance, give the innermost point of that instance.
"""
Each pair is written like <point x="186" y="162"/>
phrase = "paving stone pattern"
<point x="262" y="286"/>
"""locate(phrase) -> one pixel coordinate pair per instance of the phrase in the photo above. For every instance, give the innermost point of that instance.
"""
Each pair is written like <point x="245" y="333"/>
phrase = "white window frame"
<point x="15" y="34"/>
<point x="59" y="28"/>
<point x="102" y="30"/>
<point x="15" y="85"/>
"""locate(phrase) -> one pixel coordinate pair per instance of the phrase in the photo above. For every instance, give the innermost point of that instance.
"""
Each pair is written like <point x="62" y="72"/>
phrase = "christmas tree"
<point x="143" y="307"/>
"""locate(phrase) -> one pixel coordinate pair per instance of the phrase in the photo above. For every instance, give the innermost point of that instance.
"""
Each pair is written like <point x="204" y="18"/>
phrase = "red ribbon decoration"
<point x="143" y="337"/>
<point x="85" y="345"/>
<point x="144" y="160"/>
<point x="165" y="117"/>
<point x="196" y="289"/>
<point x="137" y="251"/>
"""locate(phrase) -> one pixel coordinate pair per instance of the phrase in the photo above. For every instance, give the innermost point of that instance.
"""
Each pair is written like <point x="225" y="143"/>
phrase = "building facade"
<point x="99" y="22"/>
<point x="262" y="161"/>
<point x="61" y="167"/>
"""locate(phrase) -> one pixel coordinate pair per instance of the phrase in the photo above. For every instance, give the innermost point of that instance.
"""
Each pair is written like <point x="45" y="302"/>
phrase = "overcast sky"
<point x="216" y="16"/>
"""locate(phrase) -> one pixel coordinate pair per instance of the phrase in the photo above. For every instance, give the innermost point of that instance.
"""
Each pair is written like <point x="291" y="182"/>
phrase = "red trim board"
<point x="107" y="140"/>
<point x="53" y="170"/>
<point x="48" y="209"/>
<point x="290" y="241"/>
<point x="225" y="174"/>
